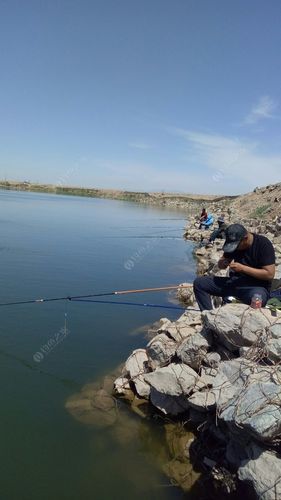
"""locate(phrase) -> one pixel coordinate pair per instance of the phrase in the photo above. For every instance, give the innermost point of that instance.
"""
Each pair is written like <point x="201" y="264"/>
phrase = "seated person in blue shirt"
<point x="206" y="224"/>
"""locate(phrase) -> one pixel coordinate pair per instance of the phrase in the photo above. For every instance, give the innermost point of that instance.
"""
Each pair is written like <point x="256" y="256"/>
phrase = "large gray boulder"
<point x="193" y="350"/>
<point x="174" y="380"/>
<point x="263" y="470"/>
<point x="256" y="410"/>
<point x="136" y="363"/>
<point x="229" y="380"/>
<point x="135" y="368"/>
<point x="272" y="342"/>
<point x="180" y="332"/>
<point x="237" y="325"/>
<point x="248" y="398"/>
<point x="185" y="326"/>
<point x="161" y="350"/>
<point x="190" y="318"/>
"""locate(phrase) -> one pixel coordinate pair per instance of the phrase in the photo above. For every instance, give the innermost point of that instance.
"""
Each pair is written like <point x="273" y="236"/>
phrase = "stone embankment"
<point x="220" y="372"/>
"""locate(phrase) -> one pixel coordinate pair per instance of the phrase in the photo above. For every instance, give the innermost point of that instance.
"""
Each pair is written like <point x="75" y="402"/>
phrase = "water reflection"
<point x="139" y="450"/>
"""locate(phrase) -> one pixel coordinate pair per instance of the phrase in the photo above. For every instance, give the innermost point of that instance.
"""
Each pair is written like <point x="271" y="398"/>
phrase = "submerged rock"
<point x="179" y="468"/>
<point x="97" y="409"/>
<point x="181" y="473"/>
<point x="179" y="440"/>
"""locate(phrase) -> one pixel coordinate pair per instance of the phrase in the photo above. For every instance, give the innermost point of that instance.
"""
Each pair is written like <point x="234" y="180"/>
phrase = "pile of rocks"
<point x="220" y="368"/>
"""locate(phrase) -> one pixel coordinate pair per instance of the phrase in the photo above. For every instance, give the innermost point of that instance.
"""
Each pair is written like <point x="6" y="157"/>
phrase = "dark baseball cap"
<point x="233" y="235"/>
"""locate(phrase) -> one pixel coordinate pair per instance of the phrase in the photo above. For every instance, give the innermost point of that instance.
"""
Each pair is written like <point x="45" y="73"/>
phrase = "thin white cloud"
<point x="212" y="164"/>
<point x="139" y="145"/>
<point x="231" y="159"/>
<point x="263" y="109"/>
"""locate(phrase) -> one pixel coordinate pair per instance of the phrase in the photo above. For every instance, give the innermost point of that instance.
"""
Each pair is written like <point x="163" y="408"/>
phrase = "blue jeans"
<point x="240" y="288"/>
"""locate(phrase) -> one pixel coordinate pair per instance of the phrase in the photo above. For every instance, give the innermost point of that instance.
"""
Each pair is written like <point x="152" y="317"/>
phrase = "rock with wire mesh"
<point x="248" y="398"/>
<point x="194" y="349"/>
<point x="135" y="368"/>
<point x="185" y="326"/>
<point x="238" y="325"/>
<point x="174" y="380"/>
<point x="230" y="378"/>
<point x="262" y="469"/>
<point x="272" y="342"/>
<point x="160" y="350"/>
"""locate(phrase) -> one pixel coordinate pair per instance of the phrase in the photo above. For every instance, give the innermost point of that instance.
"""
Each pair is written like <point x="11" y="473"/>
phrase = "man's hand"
<point x="237" y="267"/>
<point x="265" y="273"/>
<point x="223" y="263"/>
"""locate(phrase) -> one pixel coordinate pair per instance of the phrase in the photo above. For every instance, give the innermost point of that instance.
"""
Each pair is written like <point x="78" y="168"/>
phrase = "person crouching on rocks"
<point x="251" y="261"/>
<point x="219" y="232"/>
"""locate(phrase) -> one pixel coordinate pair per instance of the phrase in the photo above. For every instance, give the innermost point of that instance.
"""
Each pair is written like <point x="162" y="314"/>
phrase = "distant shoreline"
<point x="164" y="199"/>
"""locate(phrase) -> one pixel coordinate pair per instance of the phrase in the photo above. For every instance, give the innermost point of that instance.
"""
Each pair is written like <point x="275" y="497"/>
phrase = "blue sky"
<point x="153" y="95"/>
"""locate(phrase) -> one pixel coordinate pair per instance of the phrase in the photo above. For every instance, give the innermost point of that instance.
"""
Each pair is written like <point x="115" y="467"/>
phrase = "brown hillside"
<point x="262" y="203"/>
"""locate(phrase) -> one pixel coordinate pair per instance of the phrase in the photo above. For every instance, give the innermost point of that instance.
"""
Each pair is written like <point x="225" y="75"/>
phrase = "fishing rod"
<point x="105" y="294"/>
<point x="133" y="304"/>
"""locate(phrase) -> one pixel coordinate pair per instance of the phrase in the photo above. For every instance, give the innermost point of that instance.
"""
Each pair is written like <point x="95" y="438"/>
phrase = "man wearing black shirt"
<point x="251" y="261"/>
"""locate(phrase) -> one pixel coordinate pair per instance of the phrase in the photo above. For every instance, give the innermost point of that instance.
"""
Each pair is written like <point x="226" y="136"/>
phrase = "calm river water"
<point x="56" y="246"/>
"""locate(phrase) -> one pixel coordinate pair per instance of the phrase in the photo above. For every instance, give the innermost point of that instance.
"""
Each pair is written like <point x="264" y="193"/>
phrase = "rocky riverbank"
<point x="218" y="372"/>
<point x="263" y="202"/>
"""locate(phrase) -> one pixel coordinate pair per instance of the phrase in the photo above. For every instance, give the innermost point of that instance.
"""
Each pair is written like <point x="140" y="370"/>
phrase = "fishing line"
<point x="131" y="304"/>
<point x="91" y="295"/>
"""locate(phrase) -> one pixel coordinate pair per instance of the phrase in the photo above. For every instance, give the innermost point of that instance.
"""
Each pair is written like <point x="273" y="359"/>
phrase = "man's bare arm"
<point x="265" y="273"/>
